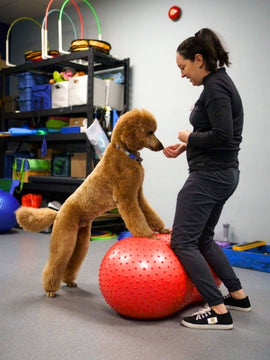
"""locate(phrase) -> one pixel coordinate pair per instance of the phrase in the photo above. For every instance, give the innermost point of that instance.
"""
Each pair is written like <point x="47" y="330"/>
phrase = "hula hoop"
<point x="9" y="30"/>
<point x="60" y="44"/>
<point x="44" y="33"/>
<point x="78" y="11"/>
<point x="69" y="18"/>
<point x="93" y="11"/>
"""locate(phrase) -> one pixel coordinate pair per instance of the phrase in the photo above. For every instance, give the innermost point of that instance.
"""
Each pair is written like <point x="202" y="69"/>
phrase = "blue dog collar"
<point x="130" y="155"/>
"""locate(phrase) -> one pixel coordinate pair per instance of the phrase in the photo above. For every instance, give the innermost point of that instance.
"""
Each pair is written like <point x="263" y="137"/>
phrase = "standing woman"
<point x="212" y="154"/>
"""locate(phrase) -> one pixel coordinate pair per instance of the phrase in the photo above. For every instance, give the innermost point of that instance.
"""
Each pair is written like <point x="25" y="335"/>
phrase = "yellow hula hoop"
<point x="9" y="30"/>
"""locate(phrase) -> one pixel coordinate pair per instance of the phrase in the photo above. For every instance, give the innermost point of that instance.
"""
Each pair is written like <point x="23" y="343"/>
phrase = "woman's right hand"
<point x="173" y="151"/>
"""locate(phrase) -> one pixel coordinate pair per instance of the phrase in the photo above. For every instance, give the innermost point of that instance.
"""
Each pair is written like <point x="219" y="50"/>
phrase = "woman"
<point x="212" y="154"/>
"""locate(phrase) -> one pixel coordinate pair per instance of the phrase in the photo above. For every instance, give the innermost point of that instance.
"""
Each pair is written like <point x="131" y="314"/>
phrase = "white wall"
<point x="143" y="31"/>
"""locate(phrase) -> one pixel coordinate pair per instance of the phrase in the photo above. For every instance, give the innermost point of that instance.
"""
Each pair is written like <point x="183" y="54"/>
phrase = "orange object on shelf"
<point x="32" y="200"/>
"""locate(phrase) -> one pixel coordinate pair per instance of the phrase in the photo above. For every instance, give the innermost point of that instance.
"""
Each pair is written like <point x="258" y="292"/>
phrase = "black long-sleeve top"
<point x="217" y="120"/>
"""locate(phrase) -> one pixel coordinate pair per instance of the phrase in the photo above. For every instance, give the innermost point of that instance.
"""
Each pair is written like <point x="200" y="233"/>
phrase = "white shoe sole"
<point x="231" y="307"/>
<point x="206" y="326"/>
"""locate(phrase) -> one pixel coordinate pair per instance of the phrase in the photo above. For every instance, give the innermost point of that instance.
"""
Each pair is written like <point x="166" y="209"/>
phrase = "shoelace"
<point x="202" y="313"/>
<point x="228" y="296"/>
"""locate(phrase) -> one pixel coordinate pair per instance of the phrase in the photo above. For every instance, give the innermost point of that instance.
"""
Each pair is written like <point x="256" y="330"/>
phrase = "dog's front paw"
<point x="71" y="284"/>
<point x="164" y="231"/>
<point x="51" y="294"/>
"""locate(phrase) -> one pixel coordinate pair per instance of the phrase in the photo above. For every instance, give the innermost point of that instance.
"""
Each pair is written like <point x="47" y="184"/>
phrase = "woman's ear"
<point x="199" y="60"/>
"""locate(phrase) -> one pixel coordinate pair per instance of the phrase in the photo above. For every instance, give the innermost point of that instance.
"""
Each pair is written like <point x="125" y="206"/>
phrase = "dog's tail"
<point x="35" y="220"/>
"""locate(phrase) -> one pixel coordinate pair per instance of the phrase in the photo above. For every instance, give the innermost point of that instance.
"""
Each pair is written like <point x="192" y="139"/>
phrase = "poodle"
<point x="115" y="182"/>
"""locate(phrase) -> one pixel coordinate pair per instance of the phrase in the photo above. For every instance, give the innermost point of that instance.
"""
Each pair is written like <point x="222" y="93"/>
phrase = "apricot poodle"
<point x="115" y="182"/>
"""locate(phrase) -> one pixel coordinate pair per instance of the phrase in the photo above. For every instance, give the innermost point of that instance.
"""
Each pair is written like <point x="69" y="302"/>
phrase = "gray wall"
<point x="142" y="31"/>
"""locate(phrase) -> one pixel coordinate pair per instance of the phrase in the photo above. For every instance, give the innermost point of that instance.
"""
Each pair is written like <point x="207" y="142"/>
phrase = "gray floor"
<point x="78" y="324"/>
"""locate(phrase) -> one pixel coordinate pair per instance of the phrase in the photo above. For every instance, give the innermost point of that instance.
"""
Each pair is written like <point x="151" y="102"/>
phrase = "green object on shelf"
<point x="9" y="185"/>
<point x="61" y="165"/>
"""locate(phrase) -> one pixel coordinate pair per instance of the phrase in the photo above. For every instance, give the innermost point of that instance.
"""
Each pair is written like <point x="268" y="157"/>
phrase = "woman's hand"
<point x="173" y="151"/>
<point x="183" y="136"/>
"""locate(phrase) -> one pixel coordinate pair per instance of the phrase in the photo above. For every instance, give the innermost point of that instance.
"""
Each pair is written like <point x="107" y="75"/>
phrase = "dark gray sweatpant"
<point x="199" y="205"/>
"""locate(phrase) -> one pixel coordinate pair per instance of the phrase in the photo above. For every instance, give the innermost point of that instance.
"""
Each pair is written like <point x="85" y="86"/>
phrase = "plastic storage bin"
<point x="26" y="81"/>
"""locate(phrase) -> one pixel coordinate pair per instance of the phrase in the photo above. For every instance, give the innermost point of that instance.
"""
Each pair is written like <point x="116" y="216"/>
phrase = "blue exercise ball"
<point x="8" y="205"/>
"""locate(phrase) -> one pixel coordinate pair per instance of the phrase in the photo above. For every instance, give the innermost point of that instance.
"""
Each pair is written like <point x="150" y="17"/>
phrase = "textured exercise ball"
<point x="142" y="278"/>
<point x="8" y="204"/>
<point x="194" y="296"/>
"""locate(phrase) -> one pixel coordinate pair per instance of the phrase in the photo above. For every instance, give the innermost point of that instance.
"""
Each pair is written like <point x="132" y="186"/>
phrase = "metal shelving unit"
<point x="89" y="61"/>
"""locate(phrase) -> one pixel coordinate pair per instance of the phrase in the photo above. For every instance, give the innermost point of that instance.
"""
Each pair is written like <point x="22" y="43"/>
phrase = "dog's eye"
<point x="150" y="132"/>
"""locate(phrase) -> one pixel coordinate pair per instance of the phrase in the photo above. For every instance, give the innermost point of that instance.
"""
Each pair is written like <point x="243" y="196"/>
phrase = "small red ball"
<point x="174" y="13"/>
<point x="142" y="278"/>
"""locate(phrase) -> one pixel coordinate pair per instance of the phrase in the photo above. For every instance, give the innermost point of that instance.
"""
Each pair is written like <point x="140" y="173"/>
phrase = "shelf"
<point x="78" y="110"/>
<point x="92" y="62"/>
<point x="57" y="137"/>
<point x="54" y="184"/>
<point x="100" y="62"/>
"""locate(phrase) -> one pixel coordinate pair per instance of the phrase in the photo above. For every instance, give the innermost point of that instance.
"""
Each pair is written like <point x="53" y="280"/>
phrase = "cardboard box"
<point x="10" y="104"/>
<point x="78" y="91"/>
<point x="3" y="64"/>
<point x="17" y="175"/>
<point x="48" y="156"/>
<point x="78" y="165"/>
<point x="78" y="122"/>
<point x="114" y="95"/>
<point x="60" y="94"/>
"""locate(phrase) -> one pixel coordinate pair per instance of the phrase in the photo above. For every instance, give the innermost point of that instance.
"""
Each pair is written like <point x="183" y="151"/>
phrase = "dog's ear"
<point x="132" y="128"/>
<point x="132" y="137"/>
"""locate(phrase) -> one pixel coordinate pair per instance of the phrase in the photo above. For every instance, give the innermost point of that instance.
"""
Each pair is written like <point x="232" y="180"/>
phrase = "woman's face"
<point x="194" y="70"/>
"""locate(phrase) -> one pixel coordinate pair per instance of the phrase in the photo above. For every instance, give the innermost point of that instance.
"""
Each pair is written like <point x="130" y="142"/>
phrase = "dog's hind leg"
<point x="81" y="248"/>
<point x="62" y="246"/>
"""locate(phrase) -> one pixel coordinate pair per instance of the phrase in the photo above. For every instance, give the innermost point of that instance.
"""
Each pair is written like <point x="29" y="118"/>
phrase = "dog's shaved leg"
<point x="152" y="218"/>
<point x="132" y="215"/>
<point x="78" y="255"/>
<point x="61" y="249"/>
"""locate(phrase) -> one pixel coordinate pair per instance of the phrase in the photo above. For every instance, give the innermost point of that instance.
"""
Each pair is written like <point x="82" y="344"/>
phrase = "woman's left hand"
<point x="184" y="135"/>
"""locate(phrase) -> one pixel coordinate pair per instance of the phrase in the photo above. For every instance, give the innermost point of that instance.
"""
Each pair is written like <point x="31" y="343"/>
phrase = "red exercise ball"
<point x="142" y="278"/>
<point x="195" y="296"/>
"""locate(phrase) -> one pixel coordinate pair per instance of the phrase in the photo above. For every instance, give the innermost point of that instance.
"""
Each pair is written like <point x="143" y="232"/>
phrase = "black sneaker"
<point x="208" y="319"/>
<point x="234" y="304"/>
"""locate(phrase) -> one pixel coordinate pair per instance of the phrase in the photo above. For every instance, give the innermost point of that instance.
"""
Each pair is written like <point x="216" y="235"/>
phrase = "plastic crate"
<point x="256" y="258"/>
<point x="27" y="79"/>
<point x="25" y="93"/>
<point x="25" y="105"/>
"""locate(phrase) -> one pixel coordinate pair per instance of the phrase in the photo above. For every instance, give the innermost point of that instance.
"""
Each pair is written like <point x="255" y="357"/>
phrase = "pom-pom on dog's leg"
<point x="35" y="220"/>
<point x="81" y="248"/>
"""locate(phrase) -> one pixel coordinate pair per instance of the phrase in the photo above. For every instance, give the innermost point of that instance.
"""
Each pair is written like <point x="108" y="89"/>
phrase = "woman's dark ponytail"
<point x="206" y="43"/>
